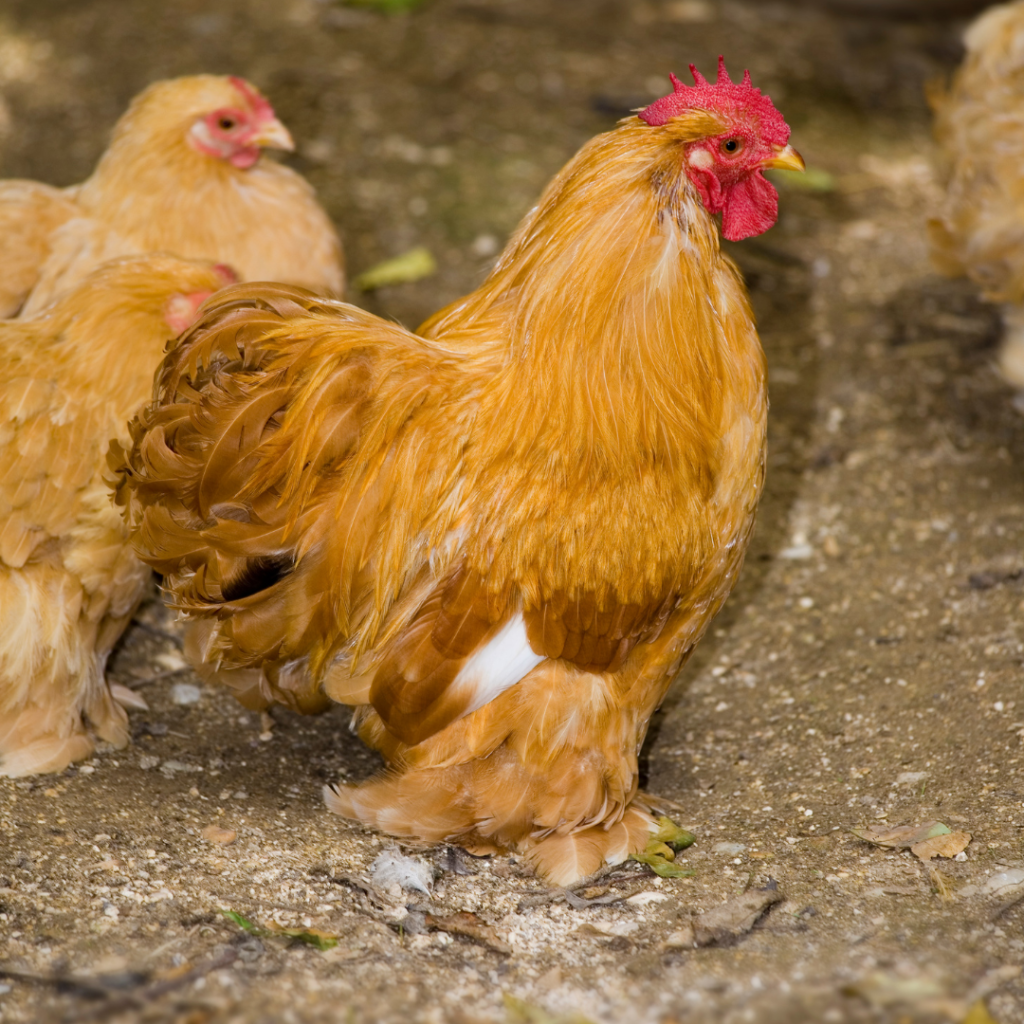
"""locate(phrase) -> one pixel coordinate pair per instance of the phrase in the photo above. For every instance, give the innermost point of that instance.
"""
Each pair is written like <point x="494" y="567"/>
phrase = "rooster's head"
<point x="747" y="135"/>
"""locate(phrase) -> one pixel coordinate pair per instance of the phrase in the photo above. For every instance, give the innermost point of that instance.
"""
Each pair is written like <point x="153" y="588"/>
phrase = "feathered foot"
<point x="38" y="740"/>
<point x="416" y="806"/>
<point x="28" y="747"/>
<point x="410" y="805"/>
<point x="565" y="859"/>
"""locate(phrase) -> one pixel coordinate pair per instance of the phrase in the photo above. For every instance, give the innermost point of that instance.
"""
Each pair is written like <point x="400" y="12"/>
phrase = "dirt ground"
<point x="866" y="673"/>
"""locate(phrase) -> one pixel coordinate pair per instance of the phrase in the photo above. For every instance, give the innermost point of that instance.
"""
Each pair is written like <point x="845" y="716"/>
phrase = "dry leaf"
<point x="733" y="918"/>
<point x="218" y="835"/>
<point x="472" y="927"/>
<point x="942" y="846"/>
<point x="931" y="839"/>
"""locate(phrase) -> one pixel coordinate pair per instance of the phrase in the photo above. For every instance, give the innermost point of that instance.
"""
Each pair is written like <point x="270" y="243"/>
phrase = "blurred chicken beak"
<point x="786" y="158"/>
<point x="273" y="135"/>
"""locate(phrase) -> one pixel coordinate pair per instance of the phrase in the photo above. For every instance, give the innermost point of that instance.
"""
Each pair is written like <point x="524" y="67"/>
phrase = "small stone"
<point x="729" y="849"/>
<point x="797" y="552"/>
<point x="218" y="835"/>
<point x="484" y="245"/>
<point x="86" y="769"/>
<point x="170" y="660"/>
<point x="148" y="761"/>
<point x="185" y="693"/>
<point x="910" y="778"/>
<point x="641" y="899"/>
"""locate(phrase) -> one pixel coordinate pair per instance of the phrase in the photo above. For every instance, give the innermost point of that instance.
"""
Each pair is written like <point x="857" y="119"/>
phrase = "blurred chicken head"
<point x="237" y="132"/>
<point x="182" y="308"/>
<point x="725" y="166"/>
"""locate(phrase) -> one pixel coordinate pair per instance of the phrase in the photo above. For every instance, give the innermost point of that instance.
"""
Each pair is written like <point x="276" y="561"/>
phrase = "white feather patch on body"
<point x="499" y="664"/>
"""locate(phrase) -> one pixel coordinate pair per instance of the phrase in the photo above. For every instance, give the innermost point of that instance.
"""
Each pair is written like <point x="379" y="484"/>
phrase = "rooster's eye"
<point x="226" y="123"/>
<point x="732" y="146"/>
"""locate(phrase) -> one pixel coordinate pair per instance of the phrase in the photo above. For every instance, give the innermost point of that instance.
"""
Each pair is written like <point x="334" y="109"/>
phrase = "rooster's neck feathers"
<point x="601" y="300"/>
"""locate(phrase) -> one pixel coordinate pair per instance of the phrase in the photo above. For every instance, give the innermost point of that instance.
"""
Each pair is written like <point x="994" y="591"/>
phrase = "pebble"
<point x="218" y="835"/>
<point x="641" y="899"/>
<point x="148" y="761"/>
<point x="185" y="693"/>
<point x="170" y="660"/>
<point x="729" y="849"/>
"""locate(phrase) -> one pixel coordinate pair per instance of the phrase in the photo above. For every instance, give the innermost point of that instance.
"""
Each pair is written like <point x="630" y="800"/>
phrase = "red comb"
<point x="258" y="103"/>
<point x="724" y="95"/>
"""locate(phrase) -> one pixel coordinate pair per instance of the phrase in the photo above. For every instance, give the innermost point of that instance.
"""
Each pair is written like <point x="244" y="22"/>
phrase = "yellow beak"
<point x="786" y="158"/>
<point x="274" y="135"/>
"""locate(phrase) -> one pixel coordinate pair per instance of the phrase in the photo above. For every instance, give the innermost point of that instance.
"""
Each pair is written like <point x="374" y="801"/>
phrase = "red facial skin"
<point x="182" y="308"/>
<point x="729" y="179"/>
<point x="229" y="134"/>
<point x="726" y="169"/>
<point x="238" y="133"/>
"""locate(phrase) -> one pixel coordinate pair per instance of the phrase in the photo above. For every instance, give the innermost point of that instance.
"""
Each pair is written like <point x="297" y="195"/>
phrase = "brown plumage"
<point x="69" y="380"/>
<point x="183" y="174"/>
<point x="978" y="231"/>
<point x="499" y="538"/>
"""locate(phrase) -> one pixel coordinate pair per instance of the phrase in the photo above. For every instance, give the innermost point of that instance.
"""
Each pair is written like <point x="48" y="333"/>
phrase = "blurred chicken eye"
<point x="226" y="123"/>
<point x="732" y="146"/>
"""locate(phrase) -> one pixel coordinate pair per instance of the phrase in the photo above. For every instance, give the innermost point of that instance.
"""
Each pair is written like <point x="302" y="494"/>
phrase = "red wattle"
<point x="751" y="207"/>
<point x="245" y="157"/>
<point x="710" y="189"/>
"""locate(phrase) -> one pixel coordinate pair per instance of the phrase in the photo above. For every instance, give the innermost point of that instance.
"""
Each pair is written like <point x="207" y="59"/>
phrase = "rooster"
<point x="499" y="538"/>
<point x="69" y="583"/>
<point x="184" y="174"/>
<point x="979" y="125"/>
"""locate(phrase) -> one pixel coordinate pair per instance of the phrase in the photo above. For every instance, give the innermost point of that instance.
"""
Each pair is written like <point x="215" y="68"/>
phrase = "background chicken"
<point x="184" y="174"/>
<point x="979" y="125"/>
<point x="69" y="380"/>
<point x="501" y="537"/>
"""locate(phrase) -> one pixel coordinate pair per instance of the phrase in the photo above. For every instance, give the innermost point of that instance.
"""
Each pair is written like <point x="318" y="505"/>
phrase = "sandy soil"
<point x="867" y="672"/>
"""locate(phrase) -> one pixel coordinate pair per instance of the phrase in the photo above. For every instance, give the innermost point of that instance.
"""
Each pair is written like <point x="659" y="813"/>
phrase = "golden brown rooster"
<point x="184" y="174"/>
<point x="70" y="379"/>
<point x="499" y="538"/>
<point x="979" y="125"/>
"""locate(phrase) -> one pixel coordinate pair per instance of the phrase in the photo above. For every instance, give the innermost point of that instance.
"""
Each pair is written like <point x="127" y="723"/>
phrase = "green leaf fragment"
<point x="310" y="936"/>
<point x="386" y="6"/>
<point x="812" y="180"/>
<point x="243" y="922"/>
<point x="672" y="835"/>
<point x="660" y="866"/>
<point x="410" y="266"/>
